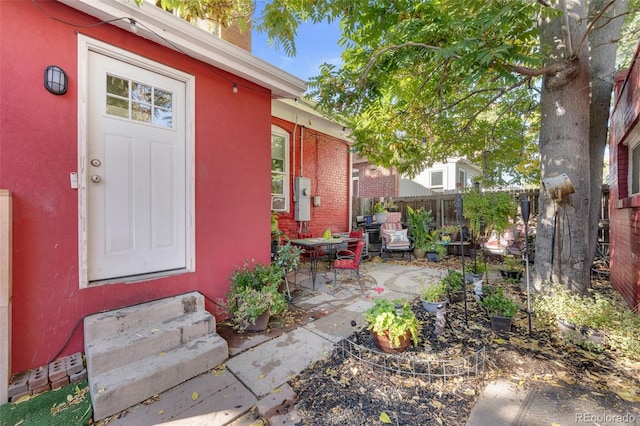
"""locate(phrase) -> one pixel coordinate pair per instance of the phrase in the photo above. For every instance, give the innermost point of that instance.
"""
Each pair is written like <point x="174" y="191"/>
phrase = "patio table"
<point x="315" y="243"/>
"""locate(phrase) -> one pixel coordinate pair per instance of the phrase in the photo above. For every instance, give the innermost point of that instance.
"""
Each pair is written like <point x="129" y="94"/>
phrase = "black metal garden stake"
<point x="524" y="208"/>
<point x="464" y="286"/>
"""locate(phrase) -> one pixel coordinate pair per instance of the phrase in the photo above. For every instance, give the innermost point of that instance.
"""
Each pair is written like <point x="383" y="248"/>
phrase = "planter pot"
<point x="581" y="335"/>
<point x="515" y="275"/>
<point x="433" y="257"/>
<point x="380" y="217"/>
<point x="499" y="323"/>
<point x="456" y="297"/>
<point x="382" y="341"/>
<point x="418" y="253"/>
<point x="260" y="325"/>
<point x="432" y="306"/>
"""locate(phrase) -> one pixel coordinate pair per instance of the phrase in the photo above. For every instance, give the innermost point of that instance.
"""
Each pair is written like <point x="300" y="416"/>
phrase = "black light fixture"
<point x="55" y="80"/>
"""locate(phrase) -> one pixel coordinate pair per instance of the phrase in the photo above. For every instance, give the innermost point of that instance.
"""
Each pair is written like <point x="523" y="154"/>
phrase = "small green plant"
<point x="448" y="230"/>
<point x="453" y="281"/>
<point x="288" y="257"/>
<point x="488" y="211"/>
<point x="254" y="290"/>
<point x="419" y="221"/>
<point x="512" y="263"/>
<point x="433" y="244"/>
<point x="496" y="303"/>
<point x="379" y="208"/>
<point x="394" y="318"/>
<point x="435" y="293"/>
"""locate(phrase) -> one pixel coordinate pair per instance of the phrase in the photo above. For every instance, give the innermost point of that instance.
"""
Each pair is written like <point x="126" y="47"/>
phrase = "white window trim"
<point x="279" y="131"/>
<point x="441" y="171"/>
<point x="86" y="44"/>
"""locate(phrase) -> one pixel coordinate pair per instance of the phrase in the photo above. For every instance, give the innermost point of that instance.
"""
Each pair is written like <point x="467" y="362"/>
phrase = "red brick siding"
<point x="325" y="160"/>
<point x="378" y="182"/>
<point x="624" y="211"/>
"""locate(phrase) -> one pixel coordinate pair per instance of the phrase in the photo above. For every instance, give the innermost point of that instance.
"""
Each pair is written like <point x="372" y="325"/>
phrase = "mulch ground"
<point x="343" y="390"/>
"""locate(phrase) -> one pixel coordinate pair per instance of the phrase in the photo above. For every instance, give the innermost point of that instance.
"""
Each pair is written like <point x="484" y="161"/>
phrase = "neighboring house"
<point x="370" y="180"/>
<point x="440" y="177"/>
<point x="310" y="152"/>
<point x="122" y="196"/>
<point x="624" y="186"/>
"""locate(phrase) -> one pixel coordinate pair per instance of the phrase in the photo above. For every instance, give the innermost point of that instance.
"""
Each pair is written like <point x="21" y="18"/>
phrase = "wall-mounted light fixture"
<point x="55" y="80"/>
<point x="235" y="88"/>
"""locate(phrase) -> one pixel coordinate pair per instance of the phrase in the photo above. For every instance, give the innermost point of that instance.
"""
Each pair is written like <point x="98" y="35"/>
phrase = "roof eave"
<point x="162" y="27"/>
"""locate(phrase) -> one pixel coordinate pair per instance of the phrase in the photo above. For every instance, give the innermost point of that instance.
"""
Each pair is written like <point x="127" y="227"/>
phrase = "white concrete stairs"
<point x="139" y="351"/>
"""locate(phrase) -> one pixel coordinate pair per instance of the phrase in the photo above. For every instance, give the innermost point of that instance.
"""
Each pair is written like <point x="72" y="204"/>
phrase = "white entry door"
<point x="135" y="169"/>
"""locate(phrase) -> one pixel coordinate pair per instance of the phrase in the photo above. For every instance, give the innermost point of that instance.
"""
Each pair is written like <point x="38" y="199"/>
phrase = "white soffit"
<point x="303" y="114"/>
<point x="164" y="28"/>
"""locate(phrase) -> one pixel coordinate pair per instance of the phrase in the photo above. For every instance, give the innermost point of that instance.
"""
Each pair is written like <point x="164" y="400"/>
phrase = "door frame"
<point x="85" y="45"/>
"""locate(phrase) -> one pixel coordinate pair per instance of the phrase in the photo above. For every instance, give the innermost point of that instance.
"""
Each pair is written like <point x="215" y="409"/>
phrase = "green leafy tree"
<point x="521" y="86"/>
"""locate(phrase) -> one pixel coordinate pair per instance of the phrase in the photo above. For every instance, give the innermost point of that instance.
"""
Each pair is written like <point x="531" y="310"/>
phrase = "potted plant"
<point x="433" y="246"/>
<point x="500" y="309"/>
<point x="451" y="231"/>
<point x="454" y="285"/>
<point x="433" y="296"/>
<point x="392" y="324"/>
<point x="487" y="212"/>
<point x="391" y="206"/>
<point x="254" y="296"/>
<point x="288" y="258"/>
<point x="419" y="221"/>
<point x="380" y="212"/>
<point x="511" y="268"/>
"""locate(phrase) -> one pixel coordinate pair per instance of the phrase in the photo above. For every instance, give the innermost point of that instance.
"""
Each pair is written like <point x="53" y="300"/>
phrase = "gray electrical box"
<point x="302" y="192"/>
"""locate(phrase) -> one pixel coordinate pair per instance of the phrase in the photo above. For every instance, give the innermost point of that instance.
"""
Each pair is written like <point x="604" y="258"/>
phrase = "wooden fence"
<point x="443" y="207"/>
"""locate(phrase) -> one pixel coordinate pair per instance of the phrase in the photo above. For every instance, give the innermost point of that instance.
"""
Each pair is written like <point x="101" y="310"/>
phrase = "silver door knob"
<point x="96" y="178"/>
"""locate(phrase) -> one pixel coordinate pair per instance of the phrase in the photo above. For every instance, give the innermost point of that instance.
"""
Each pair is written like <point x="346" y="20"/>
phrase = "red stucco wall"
<point x="624" y="210"/>
<point x="325" y="160"/>
<point x="38" y="137"/>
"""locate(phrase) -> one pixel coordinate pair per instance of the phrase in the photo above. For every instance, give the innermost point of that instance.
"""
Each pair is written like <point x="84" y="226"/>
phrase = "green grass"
<point x="67" y="406"/>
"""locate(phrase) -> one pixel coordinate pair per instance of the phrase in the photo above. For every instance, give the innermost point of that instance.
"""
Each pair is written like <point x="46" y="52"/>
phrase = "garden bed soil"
<point x="342" y="390"/>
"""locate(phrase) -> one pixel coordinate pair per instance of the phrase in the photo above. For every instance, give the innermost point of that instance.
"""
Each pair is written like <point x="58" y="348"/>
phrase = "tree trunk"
<point x="573" y="142"/>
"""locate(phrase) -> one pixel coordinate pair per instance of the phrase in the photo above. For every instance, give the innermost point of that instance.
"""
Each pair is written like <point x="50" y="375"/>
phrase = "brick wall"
<point x="624" y="210"/>
<point x="376" y="181"/>
<point x="239" y="38"/>
<point x="325" y="160"/>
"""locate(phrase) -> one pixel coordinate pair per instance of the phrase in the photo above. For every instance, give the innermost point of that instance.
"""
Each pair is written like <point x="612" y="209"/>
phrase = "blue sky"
<point x="315" y="44"/>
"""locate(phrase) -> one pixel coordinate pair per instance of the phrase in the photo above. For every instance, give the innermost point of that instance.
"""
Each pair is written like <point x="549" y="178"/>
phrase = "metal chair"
<point x="351" y="246"/>
<point x="349" y="263"/>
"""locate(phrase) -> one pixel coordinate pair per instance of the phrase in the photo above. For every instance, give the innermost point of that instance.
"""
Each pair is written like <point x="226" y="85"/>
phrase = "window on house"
<point x="437" y="179"/>
<point x="279" y="170"/>
<point x="462" y="178"/>
<point x="139" y="102"/>
<point x="634" y="166"/>
<point x="355" y="178"/>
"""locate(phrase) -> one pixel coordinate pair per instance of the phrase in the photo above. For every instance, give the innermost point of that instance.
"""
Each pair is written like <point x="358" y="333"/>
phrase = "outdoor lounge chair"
<point x="395" y="238"/>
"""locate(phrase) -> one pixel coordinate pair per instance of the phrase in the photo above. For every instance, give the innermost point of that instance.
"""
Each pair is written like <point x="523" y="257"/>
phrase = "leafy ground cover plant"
<point x="394" y="318"/>
<point x="594" y="310"/>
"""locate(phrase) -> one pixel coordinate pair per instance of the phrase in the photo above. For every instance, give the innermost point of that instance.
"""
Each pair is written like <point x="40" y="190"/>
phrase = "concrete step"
<point x="123" y="387"/>
<point x="135" y="344"/>
<point x="108" y="323"/>
<point x="139" y="351"/>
